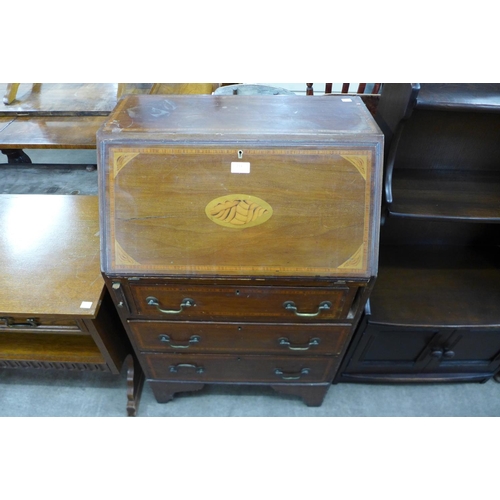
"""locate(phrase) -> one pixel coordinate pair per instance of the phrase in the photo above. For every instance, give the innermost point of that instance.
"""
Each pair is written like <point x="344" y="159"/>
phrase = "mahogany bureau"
<point x="55" y="310"/>
<point x="239" y="235"/>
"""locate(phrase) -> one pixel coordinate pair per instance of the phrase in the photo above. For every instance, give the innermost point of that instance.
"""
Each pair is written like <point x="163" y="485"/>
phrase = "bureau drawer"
<point x="171" y="336"/>
<point x="38" y="324"/>
<point x="244" y="368"/>
<point x="213" y="303"/>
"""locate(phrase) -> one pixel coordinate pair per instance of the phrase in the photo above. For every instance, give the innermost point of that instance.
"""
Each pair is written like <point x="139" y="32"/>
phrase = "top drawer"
<point x="38" y="324"/>
<point x="245" y="303"/>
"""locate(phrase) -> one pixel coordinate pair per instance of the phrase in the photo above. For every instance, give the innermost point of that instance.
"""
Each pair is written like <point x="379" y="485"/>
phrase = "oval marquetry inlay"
<point x="238" y="211"/>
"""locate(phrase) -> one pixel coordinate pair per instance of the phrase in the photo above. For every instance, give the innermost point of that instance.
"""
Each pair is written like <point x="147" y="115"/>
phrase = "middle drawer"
<point x="170" y="336"/>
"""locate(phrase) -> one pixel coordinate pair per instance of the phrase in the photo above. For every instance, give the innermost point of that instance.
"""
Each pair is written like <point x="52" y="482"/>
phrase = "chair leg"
<point x="121" y="90"/>
<point x="11" y="92"/>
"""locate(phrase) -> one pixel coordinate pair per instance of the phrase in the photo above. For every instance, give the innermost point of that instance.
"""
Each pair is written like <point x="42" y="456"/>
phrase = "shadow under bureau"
<point x="240" y="235"/>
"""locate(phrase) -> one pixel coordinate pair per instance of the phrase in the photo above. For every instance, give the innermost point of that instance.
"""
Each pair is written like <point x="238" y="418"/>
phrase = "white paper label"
<point x="86" y="305"/>
<point x="346" y="99"/>
<point x="240" y="167"/>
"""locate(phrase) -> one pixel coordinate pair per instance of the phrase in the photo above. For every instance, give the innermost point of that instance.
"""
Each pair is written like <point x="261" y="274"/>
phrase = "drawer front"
<point x="213" y="303"/>
<point x="38" y="324"/>
<point x="244" y="368"/>
<point x="171" y="336"/>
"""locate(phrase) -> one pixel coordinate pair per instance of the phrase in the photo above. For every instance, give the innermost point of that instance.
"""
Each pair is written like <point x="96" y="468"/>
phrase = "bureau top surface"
<point x="49" y="255"/>
<point x="210" y="118"/>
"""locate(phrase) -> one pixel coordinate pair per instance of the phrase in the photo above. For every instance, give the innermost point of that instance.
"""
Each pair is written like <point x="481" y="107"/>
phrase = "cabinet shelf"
<point x="446" y="194"/>
<point x="474" y="97"/>
<point x="435" y="286"/>
<point x="49" y="348"/>
<point x="434" y="310"/>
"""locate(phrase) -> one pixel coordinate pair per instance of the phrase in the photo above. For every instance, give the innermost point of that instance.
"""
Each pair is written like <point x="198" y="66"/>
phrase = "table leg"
<point x="135" y="383"/>
<point x="16" y="156"/>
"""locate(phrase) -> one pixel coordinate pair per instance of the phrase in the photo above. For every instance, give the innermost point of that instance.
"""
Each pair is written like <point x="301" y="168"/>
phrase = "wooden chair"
<point x="11" y="91"/>
<point x="370" y="99"/>
<point x="346" y="88"/>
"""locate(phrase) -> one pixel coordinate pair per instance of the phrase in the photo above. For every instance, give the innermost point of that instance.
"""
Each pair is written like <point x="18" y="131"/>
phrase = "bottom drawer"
<point x="241" y="369"/>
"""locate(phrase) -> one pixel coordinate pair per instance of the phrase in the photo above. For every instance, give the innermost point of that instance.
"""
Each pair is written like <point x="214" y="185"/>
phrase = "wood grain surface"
<point x="50" y="132"/>
<point x="65" y="99"/>
<point x="49" y="255"/>
<point x="320" y="222"/>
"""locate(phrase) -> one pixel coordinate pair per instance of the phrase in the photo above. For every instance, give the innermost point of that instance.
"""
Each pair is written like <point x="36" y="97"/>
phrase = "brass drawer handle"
<point x="175" y="368"/>
<point x="194" y="339"/>
<point x="291" y="376"/>
<point x="9" y="323"/>
<point x="153" y="301"/>
<point x="304" y="347"/>
<point x="290" y="306"/>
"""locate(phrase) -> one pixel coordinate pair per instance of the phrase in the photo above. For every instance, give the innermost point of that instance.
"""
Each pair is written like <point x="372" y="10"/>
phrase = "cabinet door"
<point x="470" y="351"/>
<point x="395" y="350"/>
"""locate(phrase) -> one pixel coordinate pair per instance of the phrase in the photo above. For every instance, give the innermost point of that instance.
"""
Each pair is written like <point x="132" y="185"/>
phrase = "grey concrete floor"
<point x="33" y="393"/>
<point x="27" y="393"/>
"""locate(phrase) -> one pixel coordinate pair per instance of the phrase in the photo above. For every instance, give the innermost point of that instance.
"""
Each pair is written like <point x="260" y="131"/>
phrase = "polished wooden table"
<point x="55" y="312"/>
<point x="62" y="99"/>
<point x="66" y="115"/>
<point x="53" y="116"/>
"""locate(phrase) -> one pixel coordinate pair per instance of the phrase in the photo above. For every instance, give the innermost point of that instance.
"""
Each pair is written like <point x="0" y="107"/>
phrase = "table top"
<point x="49" y="132"/>
<point x="5" y="121"/>
<point x="66" y="99"/>
<point x="49" y="255"/>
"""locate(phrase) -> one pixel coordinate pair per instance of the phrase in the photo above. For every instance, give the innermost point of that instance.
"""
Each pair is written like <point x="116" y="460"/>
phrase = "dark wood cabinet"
<point x="434" y="312"/>
<point x="240" y="236"/>
<point x="390" y="353"/>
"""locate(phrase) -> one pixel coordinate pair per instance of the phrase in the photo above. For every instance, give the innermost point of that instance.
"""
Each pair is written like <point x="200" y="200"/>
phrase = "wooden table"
<point x="55" y="312"/>
<point x="65" y="115"/>
<point x="62" y="99"/>
<point x="54" y="116"/>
